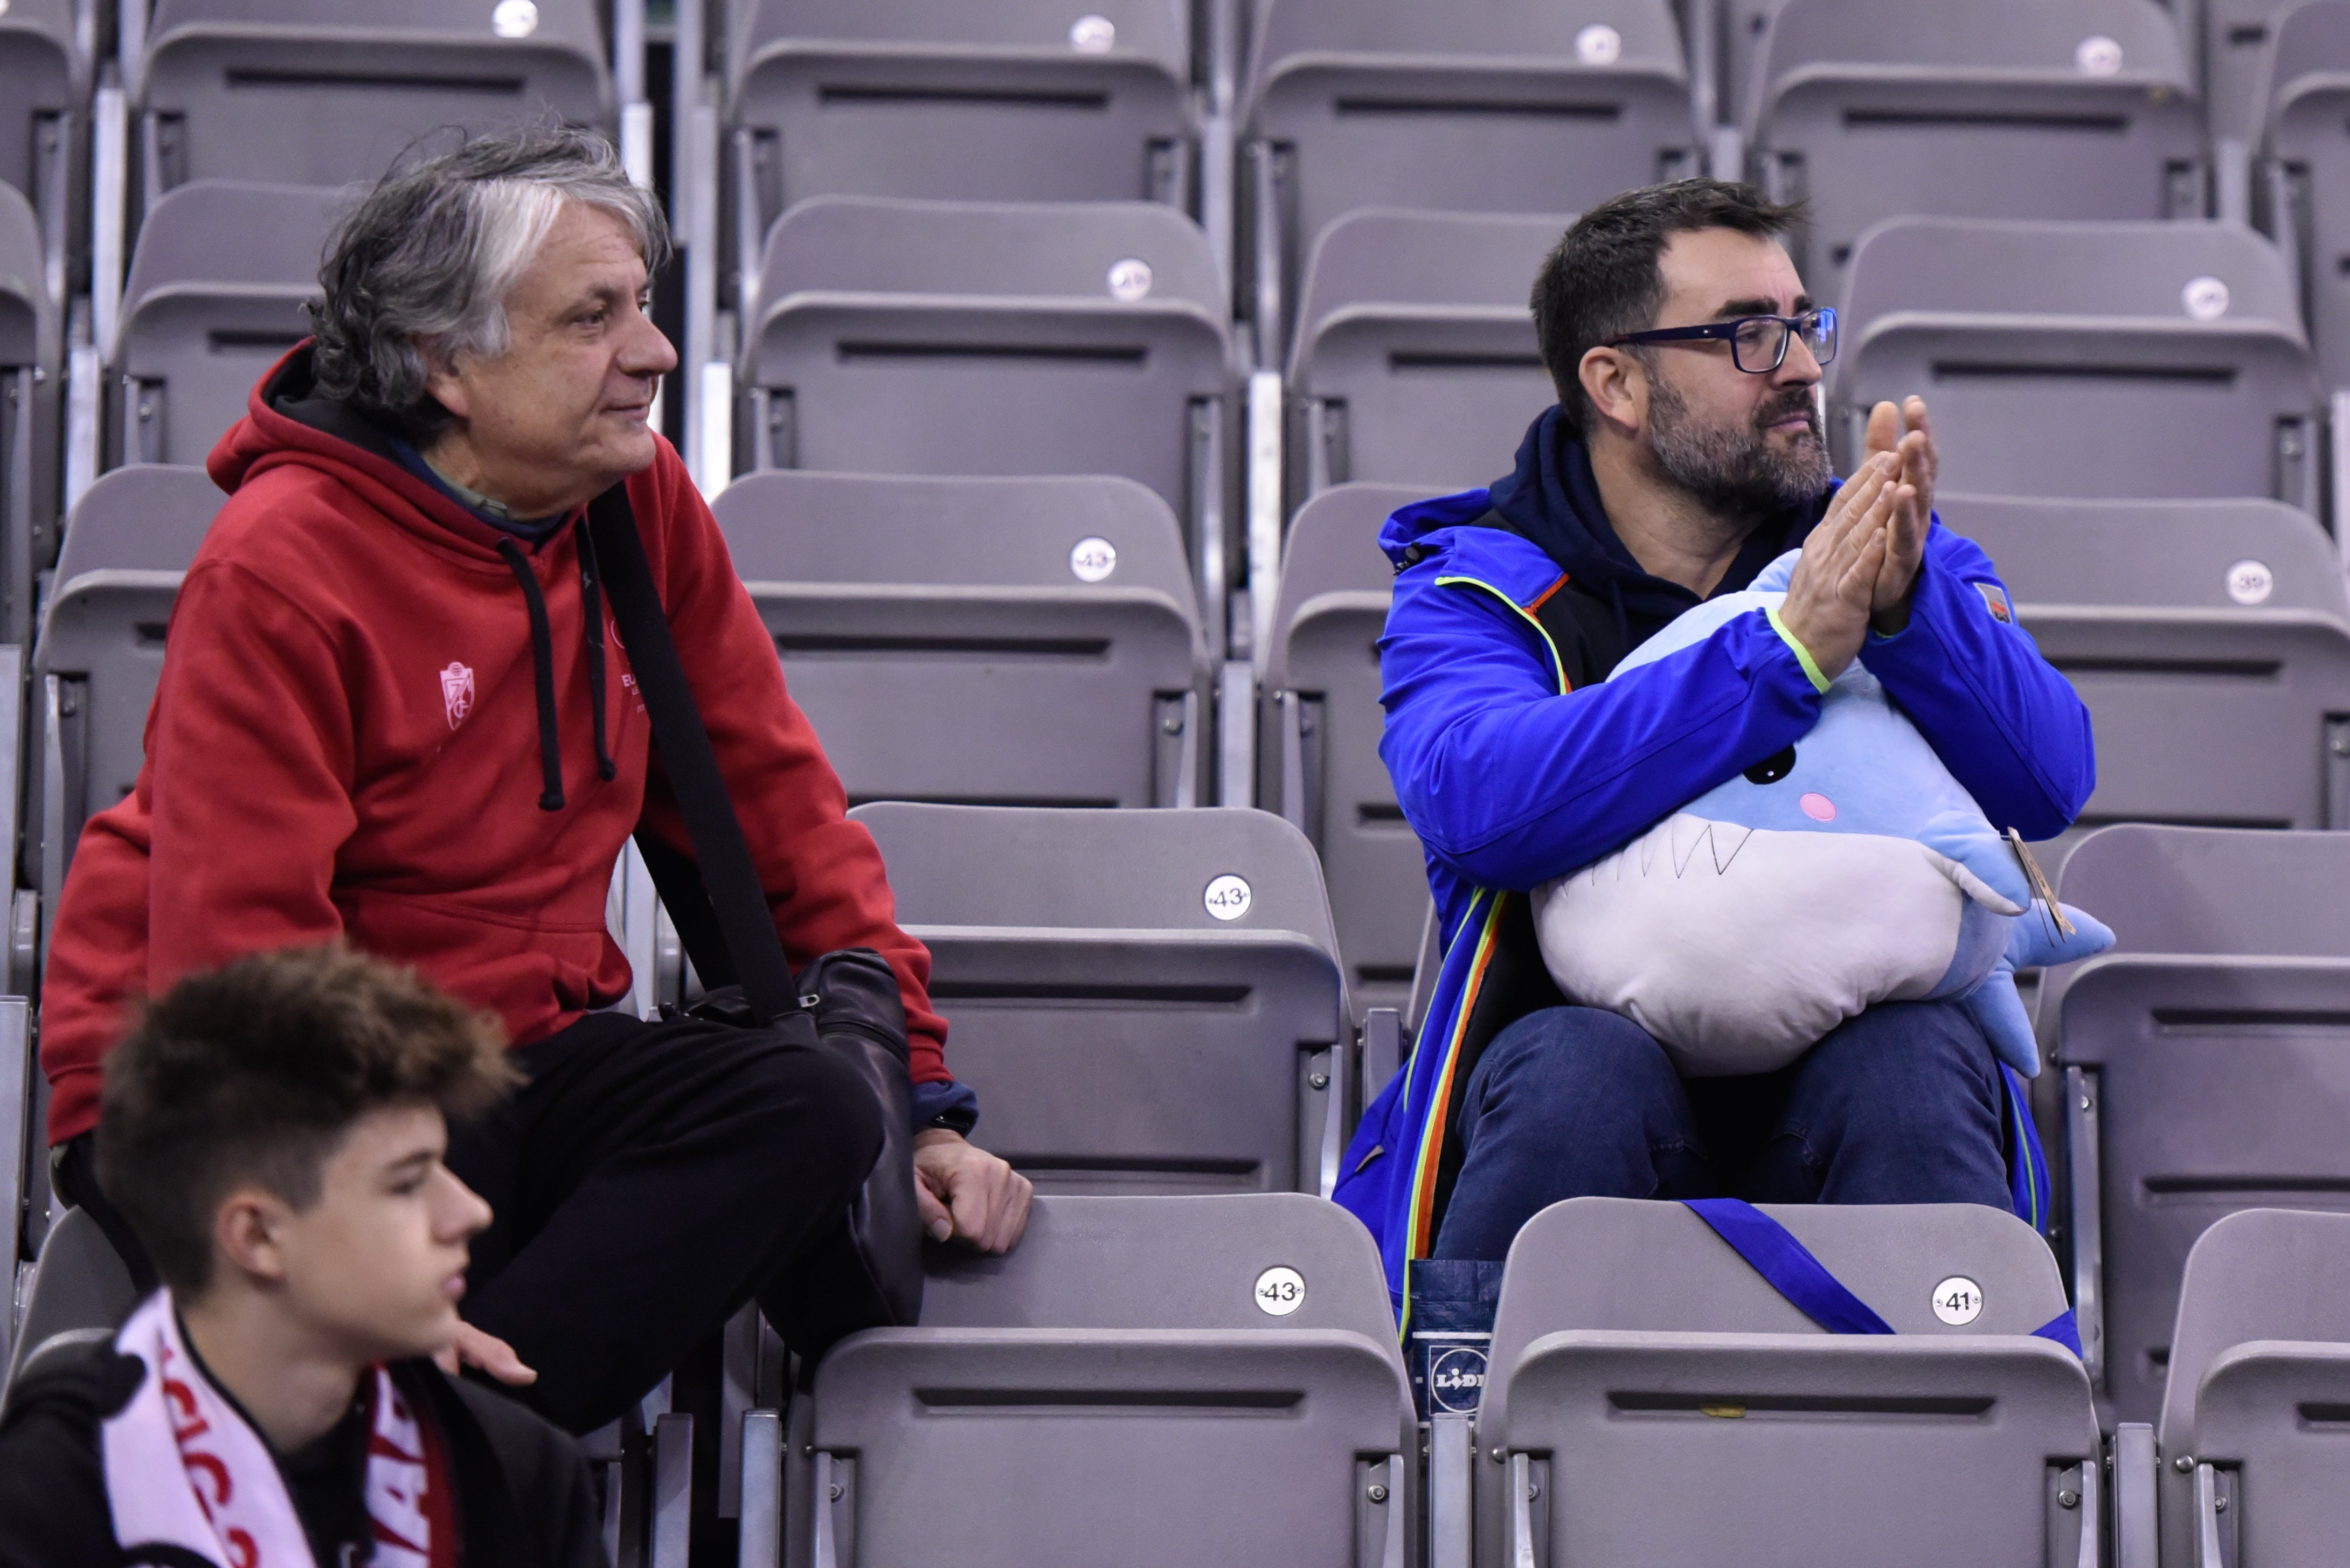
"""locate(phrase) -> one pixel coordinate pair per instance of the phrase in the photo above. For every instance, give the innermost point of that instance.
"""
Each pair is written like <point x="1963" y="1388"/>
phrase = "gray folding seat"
<point x="2190" y="555"/>
<point x="78" y="1291"/>
<point x="2210" y="641"/>
<point x="1493" y="105"/>
<point x="2206" y="1064"/>
<point x="1016" y="100"/>
<point x="2255" y="1436"/>
<point x="965" y="338"/>
<point x="1145" y="1001"/>
<point x="101" y="650"/>
<point x="32" y="372"/>
<point x="1415" y="361"/>
<point x="1651" y="1399"/>
<point x="44" y="86"/>
<point x="324" y="92"/>
<point x="1993" y="109"/>
<point x="2300" y="108"/>
<point x="217" y="284"/>
<point x="1003" y="641"/>
<point x="2108" y="359"/>
<point x="1160" y="1382"/>
<point x="1318" y="733"/>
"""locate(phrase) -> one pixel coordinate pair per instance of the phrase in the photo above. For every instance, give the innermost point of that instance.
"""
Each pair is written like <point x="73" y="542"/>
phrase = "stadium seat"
<point x="2257" y="1394"/>
<point x="1318" y="734"/>
<point x="1145" y="1001"/>
<point x="31" y="374"/>
<point x="2210" y="641"/>
<point x="1163" y="1382"/>
<point x="1494" y="107"/>
<point x="1029" y="101"/>
<point x="2205" y="1063"/>
<point x="79" y="1289"/>
<point x="950" y="337"/>
<point x="216" y="297"/>
<point x="101" y="646"/>
<point x="2104" y="359"/>
<point x="1414" y="360"/>
<point x="2236" y="38"/>
<point x="988" y="641"/>
<point x="1990" y="108"/>
<point x="2302" y="106"/>
<point x="44" y="88"/>
<point x="2192" y="554"/>
<point x="324" y="92"/>
<point x="1653" y="1400"/>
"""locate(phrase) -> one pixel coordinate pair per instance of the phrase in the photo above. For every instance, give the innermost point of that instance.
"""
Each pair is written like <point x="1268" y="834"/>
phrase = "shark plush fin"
<point x="2034" y="941"/>
<point x="1987" y="865"/>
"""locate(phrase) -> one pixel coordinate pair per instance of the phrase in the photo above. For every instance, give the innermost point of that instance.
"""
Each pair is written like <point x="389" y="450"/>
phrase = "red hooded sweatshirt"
<point x="345" y="742"/>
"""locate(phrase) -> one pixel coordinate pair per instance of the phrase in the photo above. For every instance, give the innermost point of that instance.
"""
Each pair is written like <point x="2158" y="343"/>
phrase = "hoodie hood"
<point x="1551" y="499"/>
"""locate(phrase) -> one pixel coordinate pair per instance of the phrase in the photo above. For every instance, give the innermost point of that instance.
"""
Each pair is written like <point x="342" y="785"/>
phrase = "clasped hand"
<point x="1858" y="566"/>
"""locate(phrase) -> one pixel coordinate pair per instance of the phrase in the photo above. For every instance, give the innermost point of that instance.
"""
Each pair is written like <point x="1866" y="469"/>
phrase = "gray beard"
<point x="1736" y="472"/>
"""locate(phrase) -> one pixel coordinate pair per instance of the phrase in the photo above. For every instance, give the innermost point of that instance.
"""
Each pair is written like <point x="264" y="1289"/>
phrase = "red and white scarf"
<point x="184" y="1469"/>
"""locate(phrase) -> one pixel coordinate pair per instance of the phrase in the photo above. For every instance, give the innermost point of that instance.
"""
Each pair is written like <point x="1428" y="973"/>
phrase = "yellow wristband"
<point x="1804" y="655"/>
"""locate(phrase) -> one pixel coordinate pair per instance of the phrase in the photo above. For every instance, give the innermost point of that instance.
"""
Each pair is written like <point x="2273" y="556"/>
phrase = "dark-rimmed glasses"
<point x="1758" y="344"/>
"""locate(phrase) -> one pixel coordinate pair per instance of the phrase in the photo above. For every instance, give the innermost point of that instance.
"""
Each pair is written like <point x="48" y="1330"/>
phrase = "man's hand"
<point x="967" y="1193"/>
<point x="1829" y="597"/>
<point x="1904" y="545"/>
<point x="488" y="1352"/>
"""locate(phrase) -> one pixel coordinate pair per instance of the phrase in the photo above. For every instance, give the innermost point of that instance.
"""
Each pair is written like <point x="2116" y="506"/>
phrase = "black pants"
<point x="648" y="1180"/>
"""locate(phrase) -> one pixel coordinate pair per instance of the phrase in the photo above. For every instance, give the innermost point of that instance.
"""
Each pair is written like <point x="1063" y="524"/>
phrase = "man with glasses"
<point x="1684" y="454"/>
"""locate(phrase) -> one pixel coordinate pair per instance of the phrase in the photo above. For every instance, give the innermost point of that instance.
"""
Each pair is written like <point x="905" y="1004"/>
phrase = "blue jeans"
<point x="1901" y="1105"/>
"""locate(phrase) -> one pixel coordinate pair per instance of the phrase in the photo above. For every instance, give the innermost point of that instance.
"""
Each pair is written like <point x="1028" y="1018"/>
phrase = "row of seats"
<point x="1042" y="638"/>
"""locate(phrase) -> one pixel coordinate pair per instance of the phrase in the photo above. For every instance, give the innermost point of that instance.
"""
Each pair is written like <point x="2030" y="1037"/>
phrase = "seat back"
<point x="1668" y="1402"/>
<point x="2187" y="555"/>
<point x="1005" y="641"/>
<point x="2301" y="118"/>
<point x="78" y="1284"/>
<point x="1416" y="360"/>
<point x="2212" y="1032"/>
<point x="31" y="374"/>
<point x="1029" y="101"/>
<point x="1145" y="1001"/>
<point x="322" y="92"/>
<point x="953" y="338"/>
<point x="44" y="84"/>
<point x="2259" y="1369"/>
<point x="1990" y="108"/>
<point x="2085" y="359"/>
<point x="1318" y="733"/>
<point x="1485" y="106"/>
<point x="101" y="650"/>
<point x="1198" y="1376"/>
<point x="216" y="297"/>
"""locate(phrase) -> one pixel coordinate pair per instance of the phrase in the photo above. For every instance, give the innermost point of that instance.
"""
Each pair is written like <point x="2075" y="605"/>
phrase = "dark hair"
<point x="420" y="268"/>
<point x="1602" y="280"/>
<point x="254" y="1072"/>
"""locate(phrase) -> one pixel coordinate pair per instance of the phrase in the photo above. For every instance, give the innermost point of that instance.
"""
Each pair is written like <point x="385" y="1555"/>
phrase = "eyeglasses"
<point x="1758" y="344"/>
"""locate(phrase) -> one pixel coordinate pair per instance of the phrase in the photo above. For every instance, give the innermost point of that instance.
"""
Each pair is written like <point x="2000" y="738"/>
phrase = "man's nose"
<point x="646" y="350"/>
<point x="462" y="1213"/>
<point x="1798" y="369"/>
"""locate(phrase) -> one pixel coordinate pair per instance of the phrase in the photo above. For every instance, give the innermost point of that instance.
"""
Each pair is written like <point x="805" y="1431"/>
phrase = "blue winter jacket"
<point x="1510" y="776"/>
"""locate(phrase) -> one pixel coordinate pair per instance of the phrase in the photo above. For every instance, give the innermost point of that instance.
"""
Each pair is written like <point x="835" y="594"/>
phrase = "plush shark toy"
<point x="1849" y="869"/>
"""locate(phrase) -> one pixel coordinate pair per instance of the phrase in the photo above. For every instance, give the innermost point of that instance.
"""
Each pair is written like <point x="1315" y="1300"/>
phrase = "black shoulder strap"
<point x="731" y="895"/>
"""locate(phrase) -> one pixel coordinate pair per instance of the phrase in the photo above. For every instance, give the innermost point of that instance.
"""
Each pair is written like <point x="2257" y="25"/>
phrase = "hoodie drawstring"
<point x="542" y="657"/>
<point x="592" y="597"/>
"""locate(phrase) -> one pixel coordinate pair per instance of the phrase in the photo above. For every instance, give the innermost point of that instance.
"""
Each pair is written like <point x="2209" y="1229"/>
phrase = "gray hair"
<point x="416" y="276"/>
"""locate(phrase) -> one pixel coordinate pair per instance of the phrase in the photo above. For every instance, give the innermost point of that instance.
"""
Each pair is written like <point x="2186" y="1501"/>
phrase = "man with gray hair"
<point x="394" y="710"/>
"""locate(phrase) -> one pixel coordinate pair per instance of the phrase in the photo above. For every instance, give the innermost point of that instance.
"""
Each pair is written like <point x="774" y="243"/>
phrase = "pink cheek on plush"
<point x="1818" y="807"/>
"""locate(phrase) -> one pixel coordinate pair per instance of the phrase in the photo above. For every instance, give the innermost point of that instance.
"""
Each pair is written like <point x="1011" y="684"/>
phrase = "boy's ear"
<point x="249" y="1231"/>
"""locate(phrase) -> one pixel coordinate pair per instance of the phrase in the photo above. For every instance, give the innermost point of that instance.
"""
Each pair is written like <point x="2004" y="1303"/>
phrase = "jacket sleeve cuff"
<point x="947" y="1103"/>
<point x="1820" y="682"/>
